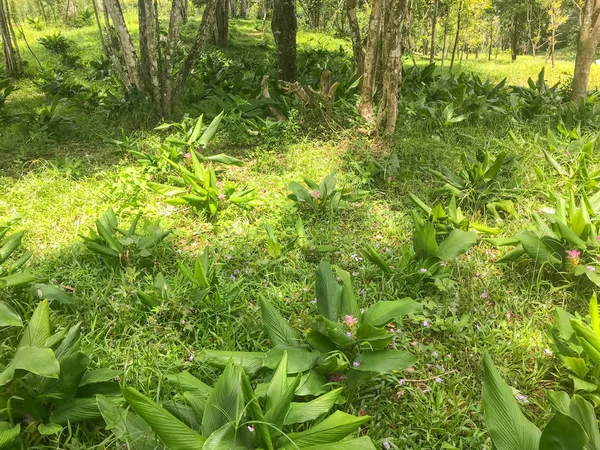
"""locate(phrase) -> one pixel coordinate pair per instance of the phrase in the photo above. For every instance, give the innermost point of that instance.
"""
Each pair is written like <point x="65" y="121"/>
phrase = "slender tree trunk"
<point x="202" y="36"/>
<point x="149" y="49"/>
<point x="100" y="32"/>
<point x="365" y="107"/>
<point x="433" y="27"/>
<point x="130" y="58"/>
<point x="222" y="20"/>
<point x="456" y="38"/>
<point x="10" y="50"/>
<point x="445" y="43"/>
<point x="244" y="9"/>
<point x="589" y="36"/>
<point x="177" y="17"/>
<point x="491" y="38"/>
<point x="553" y="44"/>
<point x="514" y="40"/>
<point x="387" y="115"/>
<point x="285" y="26"/>
<point x="355" y="37"/>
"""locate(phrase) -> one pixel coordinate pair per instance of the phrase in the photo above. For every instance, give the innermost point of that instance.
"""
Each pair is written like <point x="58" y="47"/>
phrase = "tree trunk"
<point x="222" y="19"/>
<point x="357" y="47"/>
<point x="445" y="43"/>
<point x="589" y="36"/>
<point x="514" y="40"/>
<point x="457" y="35"/>
<point x="149" y="49"/>
<point x="130" y="58"/>
<point x="553" y="44"/>
<point x="105" y="50"/>
<point x="10" y="50"/>
<point x="392" y="73"/>
<point x="178" y="15"/>
<point x="365" y="107"/>
<point x="433" y="26"/>
<point x="491" y="38"/>
<point x="285" y="26"/>
<point x="244" y="9"/>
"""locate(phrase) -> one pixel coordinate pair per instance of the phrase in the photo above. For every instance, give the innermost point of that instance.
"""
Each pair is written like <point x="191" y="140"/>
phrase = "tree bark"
<point x="445" y="43"/>
<point x="457" y="35"/>
<point x="244" y="9"/>
<point x="514" y="39"/>
<point x="285" y="26"/>
<point x="392" y="73"/>
<point x="177" y="17"/>
<point x="149" y="49"/>
<point x="130" y="58"/>
<point x="10" y="50"/>
<point x="222" y="20"/>
<point x="365" y="107"/>
<point x="589" y="37"/>
<point x="433" y="27"/>
<point x="355" y="37"/>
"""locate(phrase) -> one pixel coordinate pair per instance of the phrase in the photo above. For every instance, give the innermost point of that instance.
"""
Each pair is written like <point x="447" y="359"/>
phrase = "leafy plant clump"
<point x="567" y="239"/>
<point x="11" y="273"/>
<point x="343" y="343"/>
<point x="126" y="246"/>
<point x="232" y="414"/>
<point x="323" y="196"/>
<point x="47" y="385"/>
<point x="195" y="182"/>
<point x="573" y="425"/>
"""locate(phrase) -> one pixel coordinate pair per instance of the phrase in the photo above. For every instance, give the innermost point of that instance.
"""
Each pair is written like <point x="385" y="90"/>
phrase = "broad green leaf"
<point x="507" y="425"/>
<point x="37" y="330"/>
<point x="99" y="376"/>
<point x="583" y="412"/>
<point x="174" y="433"/>
<point x="39" y="361"/>
<point x="18" y="279"/>
<point x="277" y="328"/>
<point x="381" y="313"/>
<point x="225" y="159"/>
<point x="8" y="433"/>
<point x="456" y="244"/>
<point x="189" y="383"/>
<point x="348" y="304"/>
<point x="300" y="359"/>
<point x="332" y="429"/>
<point x="537" y="249"/>
<point x="372" y="255"/>
<point x="51" y="293"/>
<point x="49" y="429"/>
<point x="227" y="438"/>
<point x="195" y="131"/>
<point x="169" y="191"/>
<point x="594" y="314"/>
<point x="280" y="393"/>
<point x="563" y="433"/>
<point x="329" y="292"/>
<point x="424" y="242"/>
<point x="304" y="412"/>
<point x="9" y="245"/>
<point x="251" y="362"/>
<point x="9" y="317"/>
<point x="384" y="361"/>
<point x="226" y="401"/>
<point x="75" y="410"/>
<point x="362" y="443"/>
<point x="210" y="131"/>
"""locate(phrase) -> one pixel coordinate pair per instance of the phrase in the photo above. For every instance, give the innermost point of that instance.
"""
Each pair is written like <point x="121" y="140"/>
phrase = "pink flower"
<point x="573" y="256"/>
<point x="222" y="196"/>
<point x="389" y="179"/>
<point x="315" y="194"/>
<point x="356" y="364"/>
<point x="350" y="321"/>
<point x="590" y="268"/>
<point x="187" y="155"/>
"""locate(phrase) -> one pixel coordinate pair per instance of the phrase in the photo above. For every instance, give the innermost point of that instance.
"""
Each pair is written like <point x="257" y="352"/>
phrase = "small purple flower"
<point x="191" y="358"/>
<point x="356" y="364"/>
<point x="438" y="380"/>
<point x="548" y="352"/>
<point x="443" y="263"/>
<point x="117" y="379"/>
<point x="389" y="181"/>
<point x="222" y="197"/>
<point x="386" y="444"/>
<point x="522" y="398"/>
<point x="423" y="270"/>
<point x="250" y="428"/>
<point x="590" y="268"/>
<point x="402" y="382"/>
<point x="435" y="354"/>
<point x="187" y="155"/>
<point x="315" y="194"/>
<point x="349" y="334"/>
<point x="426" y="323"/>
<point x="314" y="300"/>
<point x="484" y="295"/>
<point x="182" y="321"/>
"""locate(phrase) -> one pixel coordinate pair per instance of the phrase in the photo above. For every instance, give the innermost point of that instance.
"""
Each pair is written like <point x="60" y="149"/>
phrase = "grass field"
<point x="492" y="308"/>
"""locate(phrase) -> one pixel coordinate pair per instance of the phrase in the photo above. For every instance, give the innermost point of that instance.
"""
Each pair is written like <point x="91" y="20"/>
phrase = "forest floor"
<point x="61" y="186"/>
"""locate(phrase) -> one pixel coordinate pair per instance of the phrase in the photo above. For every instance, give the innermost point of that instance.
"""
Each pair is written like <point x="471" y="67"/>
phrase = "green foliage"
<point x="126" y="246"/>
<point x="481" y="182"/>
<point x="323" y="196"/>
<point x="577" y="344"/>
<point x="11" y="273"/>
<point x="233" y="415"/>
<point x="6" y="88"/>
<point x="567" y="239"/>
<point x="195" y="181"/>
<point x="56" y="43"/>
<point x="43" y="124"/>
<point x="342" y="343"/>
<point x="573" y="426"/>
<point x="427" y="259"/>
<point x="46" y="383"/>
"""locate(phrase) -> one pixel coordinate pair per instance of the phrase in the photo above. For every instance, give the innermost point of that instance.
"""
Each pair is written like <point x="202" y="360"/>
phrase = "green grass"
<point x="498" y="309"/>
